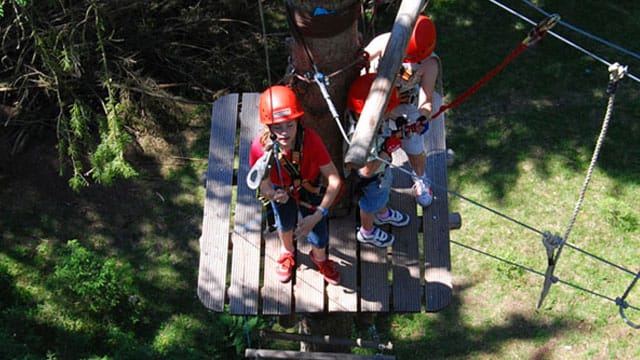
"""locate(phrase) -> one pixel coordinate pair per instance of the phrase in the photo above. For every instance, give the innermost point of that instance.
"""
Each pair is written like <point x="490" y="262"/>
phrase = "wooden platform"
<point x="237" y="256"/>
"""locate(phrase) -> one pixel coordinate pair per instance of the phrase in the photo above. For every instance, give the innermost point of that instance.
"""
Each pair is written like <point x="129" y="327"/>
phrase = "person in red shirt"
<point x="295" y="183"/>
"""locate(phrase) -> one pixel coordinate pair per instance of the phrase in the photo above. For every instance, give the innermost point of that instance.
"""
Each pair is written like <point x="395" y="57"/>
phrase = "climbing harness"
<point x="554" y="247"/>
<point x="533" y="37"/>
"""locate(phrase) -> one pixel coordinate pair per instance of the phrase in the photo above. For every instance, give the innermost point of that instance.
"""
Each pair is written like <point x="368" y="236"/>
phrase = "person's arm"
<point x="375" y="48"/>
<point x="429" y="69"/>
<point x="306" y="224"/>
<point x="330" y="172"/>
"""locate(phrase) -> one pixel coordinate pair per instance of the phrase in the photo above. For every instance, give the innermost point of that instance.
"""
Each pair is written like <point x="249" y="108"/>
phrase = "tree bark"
<point x="329" y="54"/>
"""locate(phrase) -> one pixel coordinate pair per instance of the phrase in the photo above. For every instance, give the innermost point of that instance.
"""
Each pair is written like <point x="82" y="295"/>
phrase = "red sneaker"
<point x="284" y="269"/>
<point x="327" y="269"/>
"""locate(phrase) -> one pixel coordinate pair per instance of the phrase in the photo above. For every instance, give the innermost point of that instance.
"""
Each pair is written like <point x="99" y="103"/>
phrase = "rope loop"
<point x="616" y="73"/>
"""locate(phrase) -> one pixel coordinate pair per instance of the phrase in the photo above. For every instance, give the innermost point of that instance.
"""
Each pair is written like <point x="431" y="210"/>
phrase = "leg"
<point x="418" y="163"/>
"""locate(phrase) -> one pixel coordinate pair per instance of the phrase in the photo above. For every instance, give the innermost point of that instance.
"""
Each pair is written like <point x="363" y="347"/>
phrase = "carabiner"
<point x="259" y="170"/>
<point x="541" y="29"/>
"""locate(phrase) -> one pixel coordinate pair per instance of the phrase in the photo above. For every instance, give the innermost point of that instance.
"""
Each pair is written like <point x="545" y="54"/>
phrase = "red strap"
<point x="481" y="82"/>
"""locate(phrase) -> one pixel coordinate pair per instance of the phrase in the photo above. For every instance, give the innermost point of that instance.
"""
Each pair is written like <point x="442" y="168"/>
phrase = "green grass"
<point x="523" y="144"/>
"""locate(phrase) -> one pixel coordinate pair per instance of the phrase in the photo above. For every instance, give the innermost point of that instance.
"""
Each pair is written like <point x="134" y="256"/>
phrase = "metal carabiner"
<point x="259" y="170"/>
<point x="540" y="29"/>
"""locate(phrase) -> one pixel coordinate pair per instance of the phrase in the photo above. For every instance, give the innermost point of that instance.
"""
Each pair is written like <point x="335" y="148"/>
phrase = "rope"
<point x="563" y="39"/>
<point x="616" y="72"/>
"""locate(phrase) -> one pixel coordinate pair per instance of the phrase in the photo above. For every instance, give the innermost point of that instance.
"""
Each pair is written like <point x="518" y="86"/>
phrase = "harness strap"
<point x="532" y="38"/>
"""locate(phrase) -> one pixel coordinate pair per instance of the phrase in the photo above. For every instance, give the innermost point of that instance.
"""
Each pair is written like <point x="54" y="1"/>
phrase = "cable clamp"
<point x="551" y="243"/>
<point x="622" y="304"/>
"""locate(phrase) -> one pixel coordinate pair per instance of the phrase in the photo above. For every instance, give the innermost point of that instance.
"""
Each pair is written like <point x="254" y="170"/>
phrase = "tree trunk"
<point x="334" y="55"/>
<point x="336" y="52"/>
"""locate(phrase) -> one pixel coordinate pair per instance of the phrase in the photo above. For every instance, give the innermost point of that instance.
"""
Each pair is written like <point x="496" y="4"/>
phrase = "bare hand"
<point x="306" y="224"/>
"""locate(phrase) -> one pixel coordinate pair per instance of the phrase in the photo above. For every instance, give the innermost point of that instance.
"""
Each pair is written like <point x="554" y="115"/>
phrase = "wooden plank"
<point x="290" y="354"/>
<point x="374" y="279"/>
<point x="309" y="286"/>
<point x="342" y="250"/>
<point x="246" y="237"/>
<point x="276" y="296"/>
<point x="438" y="286"/>
<point x="214" y="242"/>
<point x="407" y="290"/>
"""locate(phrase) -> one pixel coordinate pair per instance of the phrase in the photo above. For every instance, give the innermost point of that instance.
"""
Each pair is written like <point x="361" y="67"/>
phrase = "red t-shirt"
<point x="314" y="155"/>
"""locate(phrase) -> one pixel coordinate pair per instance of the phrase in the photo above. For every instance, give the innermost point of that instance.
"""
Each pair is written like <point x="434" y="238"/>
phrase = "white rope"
<point x="561" y="38"/>
<point x="616" y="73"/>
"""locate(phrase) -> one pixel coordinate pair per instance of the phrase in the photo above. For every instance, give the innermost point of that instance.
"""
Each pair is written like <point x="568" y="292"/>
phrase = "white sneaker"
<point x="395" y="218"/>
<point x="424" y="195"/>
<point x="378" y="238"/>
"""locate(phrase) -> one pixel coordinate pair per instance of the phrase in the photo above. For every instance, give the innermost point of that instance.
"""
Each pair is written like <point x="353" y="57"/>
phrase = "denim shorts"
<point x="286" y="217"/>
<point x="375" y="194"/>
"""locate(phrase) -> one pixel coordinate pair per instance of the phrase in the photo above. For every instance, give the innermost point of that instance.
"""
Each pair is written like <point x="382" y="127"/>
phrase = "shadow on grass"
<point x="548" y="103"/>
<point x="448" y="334"/>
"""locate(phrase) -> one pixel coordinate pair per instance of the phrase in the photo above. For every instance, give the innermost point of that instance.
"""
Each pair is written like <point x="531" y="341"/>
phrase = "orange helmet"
<point x="359" y="91"/>
<point x="422" y="41"/>
<point x="279" y="104"/>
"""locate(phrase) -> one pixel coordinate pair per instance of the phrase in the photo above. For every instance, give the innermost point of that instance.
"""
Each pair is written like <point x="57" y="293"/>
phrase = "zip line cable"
<point x="561" y="38"/>
<point x="533" y="271"/>
<point x="584" y="33"/>
<point x="533" y="229"/>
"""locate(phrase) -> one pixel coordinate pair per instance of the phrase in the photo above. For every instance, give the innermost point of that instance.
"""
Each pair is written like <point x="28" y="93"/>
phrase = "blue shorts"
<point x="375" y="194"/>
<point x="286" y="217"/>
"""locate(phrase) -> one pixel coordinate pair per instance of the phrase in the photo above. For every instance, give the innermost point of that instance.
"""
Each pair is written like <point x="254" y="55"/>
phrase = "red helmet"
<point x="359" y="91"/>
<point x="422" y="41"/>
<point x="279" y="104"/>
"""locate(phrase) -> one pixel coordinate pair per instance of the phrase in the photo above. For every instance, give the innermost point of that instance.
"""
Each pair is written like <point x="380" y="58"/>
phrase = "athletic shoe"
<point x="327" y="269"/>
<point x="423" y="192"/>
<point x="379" y="238"/>
<point x="395" y="218"/>
<point x="284" y="269"/>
